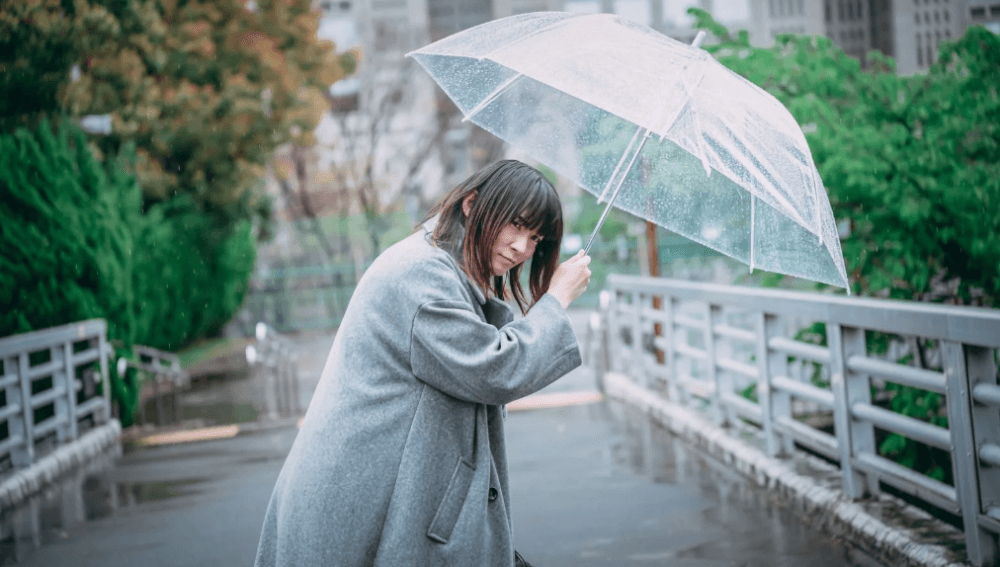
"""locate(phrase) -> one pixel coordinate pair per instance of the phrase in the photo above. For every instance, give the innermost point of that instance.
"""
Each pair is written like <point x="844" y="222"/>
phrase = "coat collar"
<point x="455" y="253"/>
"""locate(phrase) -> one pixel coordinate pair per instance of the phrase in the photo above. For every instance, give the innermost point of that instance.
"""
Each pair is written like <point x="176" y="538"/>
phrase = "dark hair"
<point x="504" y="190"/>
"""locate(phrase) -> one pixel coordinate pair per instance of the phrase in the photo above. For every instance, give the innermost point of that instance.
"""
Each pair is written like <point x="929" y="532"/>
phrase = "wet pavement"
<point x="599" y="485"/>
<point x="592" y="485"/>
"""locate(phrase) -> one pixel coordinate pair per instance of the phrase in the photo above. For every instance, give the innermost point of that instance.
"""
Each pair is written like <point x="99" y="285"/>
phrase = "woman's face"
<point x="514" y="246"/>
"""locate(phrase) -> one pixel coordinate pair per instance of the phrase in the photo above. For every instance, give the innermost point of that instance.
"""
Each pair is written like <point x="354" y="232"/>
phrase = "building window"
<point x="947" y="15"/>
<point x="947" y="34"/>
<point x="860" y="15"/>
<point x="850" y="10"/>
<point x="840" y="10"/>
<point x="920" y="53"/>
<point x="770" y="7"/>
<point x="826" y="10"/>
<point x="930" y="50"/>
<point x="801" y="8"/>
<point x="995" y="10"/>
<point x="978" y="12"/>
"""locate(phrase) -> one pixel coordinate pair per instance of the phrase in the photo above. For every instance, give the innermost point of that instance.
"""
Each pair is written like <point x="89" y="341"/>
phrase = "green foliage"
<point x="77" y="245"/>
<point x="590" y="212"/>
<point x="925" y="406"/>
<point x="913" y="163"/>
<point x="205" y="89"/>
<point x="65" y="221"/>
<point x="192" y="276"/>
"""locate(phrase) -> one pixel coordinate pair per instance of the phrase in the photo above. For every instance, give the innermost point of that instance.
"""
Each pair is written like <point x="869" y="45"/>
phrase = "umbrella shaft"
<point x="618" y="187"/>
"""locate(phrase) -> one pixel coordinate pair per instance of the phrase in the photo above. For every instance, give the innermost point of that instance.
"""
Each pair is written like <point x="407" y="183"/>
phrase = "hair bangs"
<point x="541" y="210"/>
<point x="505" y="192"/>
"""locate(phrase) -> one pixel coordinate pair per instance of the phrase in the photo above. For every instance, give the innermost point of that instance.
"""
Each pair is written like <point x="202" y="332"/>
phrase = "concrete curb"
<point x="883" y="527"/>
<point x="48" y="469"/>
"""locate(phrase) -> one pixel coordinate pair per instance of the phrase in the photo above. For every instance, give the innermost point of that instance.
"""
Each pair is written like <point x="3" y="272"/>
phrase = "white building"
<point x="907" y="30"/>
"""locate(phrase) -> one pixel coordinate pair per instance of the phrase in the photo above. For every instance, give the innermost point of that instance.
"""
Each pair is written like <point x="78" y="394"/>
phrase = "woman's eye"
<point x="515" y="223"/>
<point x="536" y="238"/>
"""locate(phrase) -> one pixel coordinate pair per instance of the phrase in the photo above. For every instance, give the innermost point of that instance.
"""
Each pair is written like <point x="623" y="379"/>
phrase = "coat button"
<point x="493" y="494"/>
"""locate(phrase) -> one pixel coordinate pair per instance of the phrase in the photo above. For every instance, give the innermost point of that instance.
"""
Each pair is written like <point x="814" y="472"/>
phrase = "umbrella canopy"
<point x="660" y="127"/>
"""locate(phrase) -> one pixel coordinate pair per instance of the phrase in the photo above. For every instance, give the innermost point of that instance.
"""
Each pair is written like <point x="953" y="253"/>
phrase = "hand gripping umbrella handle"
<point x="696" y="43"/>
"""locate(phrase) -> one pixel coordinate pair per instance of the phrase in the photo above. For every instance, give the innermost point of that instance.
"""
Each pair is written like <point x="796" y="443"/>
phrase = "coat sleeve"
<point x="455" y="351"/>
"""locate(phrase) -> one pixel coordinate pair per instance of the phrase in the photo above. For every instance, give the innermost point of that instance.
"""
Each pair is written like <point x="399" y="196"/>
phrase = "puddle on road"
<point x="761" y="528"/>
<point x="87" y="495"/>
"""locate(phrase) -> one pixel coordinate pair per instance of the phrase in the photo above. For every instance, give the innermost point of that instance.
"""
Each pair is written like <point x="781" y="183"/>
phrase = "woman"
<point x="401" y="459"/>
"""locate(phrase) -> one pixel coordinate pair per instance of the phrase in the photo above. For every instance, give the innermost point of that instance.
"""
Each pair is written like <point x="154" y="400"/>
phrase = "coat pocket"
<point x="451" y="505"/>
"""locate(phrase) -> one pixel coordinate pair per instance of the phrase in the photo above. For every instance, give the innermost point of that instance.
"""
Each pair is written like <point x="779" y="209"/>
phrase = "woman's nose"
<point x="520" y="243"/>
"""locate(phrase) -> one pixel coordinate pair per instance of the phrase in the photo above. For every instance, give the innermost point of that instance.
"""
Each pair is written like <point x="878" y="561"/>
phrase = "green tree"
<point x="913" y="163"/>
<point x="65" y="223"/>
<point x="204" y="91"/>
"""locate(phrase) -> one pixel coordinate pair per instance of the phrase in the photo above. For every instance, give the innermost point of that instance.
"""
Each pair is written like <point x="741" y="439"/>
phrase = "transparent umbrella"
<point x="654" y="126"/>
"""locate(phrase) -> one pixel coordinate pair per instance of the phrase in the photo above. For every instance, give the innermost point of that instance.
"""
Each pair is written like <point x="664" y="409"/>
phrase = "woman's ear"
<point x="467" y="203"/>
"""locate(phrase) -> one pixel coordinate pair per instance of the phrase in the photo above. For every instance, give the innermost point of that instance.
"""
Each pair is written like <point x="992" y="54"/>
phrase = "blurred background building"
<point x="392" y="142"/>
<point x="907" y="30"/>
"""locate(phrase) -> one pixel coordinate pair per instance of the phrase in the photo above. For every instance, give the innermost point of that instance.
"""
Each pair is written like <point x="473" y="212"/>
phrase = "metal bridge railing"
<point x="709" y="345"/>
<point x="162" y="377"/>
<point x="53" y="386"/>
<point x="274" y="362"/>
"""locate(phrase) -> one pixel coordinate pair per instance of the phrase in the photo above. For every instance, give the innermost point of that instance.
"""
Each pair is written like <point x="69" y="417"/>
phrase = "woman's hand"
<point x="571" y="279"/>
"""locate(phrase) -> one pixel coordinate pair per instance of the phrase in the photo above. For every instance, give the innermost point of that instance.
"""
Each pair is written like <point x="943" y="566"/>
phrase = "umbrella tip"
<point x="698" y="39"/>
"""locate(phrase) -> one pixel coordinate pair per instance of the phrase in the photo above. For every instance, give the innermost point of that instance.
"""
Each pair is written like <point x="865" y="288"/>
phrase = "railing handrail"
<point x="22" y="398"/>
<point x="961" y="323"/>
<point x="275" y="356"/>
<point x="160" y="372"/>
<point x="71" y="331"/>
<point x="722" y="363"/>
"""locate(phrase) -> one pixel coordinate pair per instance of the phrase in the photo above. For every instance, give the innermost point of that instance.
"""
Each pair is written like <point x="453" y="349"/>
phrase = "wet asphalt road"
<point x="592" y="485"/>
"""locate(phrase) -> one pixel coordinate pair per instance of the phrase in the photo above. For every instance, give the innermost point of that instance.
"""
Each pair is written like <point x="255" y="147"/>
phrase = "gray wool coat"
<point x="401" y="458"/>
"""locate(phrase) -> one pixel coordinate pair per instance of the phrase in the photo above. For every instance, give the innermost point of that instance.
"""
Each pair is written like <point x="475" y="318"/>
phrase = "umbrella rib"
<point x="492" y="96"/>
<point x="614" y="174"/>
<point x="753" y="223"/>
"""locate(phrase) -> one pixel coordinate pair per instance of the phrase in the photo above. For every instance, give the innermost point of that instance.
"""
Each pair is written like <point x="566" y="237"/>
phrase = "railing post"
<point x="19" y="455"/>
<point x="638" y="365"/>
<point x="296" y="402"/>
<point x="158" y="377"/>
<point x="722" y="386"/>
<point x="849" y="388"/>
<point x="103" y="347"/>
<point x="980" y="545"/>
<point x="773" y="403"/>
<point x="27" y="456"/>
<point x="175" y="367"/>
<point x="613" y="331"/>
<point x="61" y="403"/>
<point x="669" y="356"/>
<point x="70" y="373"/>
